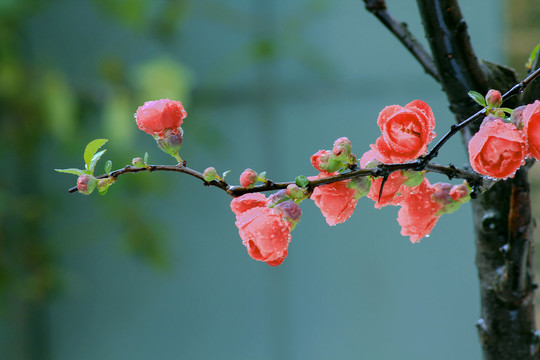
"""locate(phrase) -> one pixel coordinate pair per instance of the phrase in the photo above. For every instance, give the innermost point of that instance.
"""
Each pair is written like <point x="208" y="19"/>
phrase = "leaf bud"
<point x="138" y="162"/>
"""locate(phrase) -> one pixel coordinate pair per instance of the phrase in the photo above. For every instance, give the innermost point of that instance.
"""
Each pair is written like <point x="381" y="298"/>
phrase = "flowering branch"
<point x="400" y="30"/>
<point x="473" y="178"/>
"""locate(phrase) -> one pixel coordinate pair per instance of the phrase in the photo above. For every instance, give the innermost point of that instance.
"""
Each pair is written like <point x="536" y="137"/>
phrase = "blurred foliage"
<point x="42" y="107"/>
<point x="48" y="113"/>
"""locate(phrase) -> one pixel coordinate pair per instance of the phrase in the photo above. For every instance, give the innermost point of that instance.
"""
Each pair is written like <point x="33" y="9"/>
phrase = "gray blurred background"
<point x="155" y="269"/>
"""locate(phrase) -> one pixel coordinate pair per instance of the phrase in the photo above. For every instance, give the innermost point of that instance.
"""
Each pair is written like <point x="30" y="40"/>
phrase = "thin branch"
<point x="382" y="170"/>
<point x="455" y="128"/>
<point x="402" y="33"/>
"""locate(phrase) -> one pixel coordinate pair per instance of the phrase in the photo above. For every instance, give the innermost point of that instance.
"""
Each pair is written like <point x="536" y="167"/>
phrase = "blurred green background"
<point x="155" y="269"/>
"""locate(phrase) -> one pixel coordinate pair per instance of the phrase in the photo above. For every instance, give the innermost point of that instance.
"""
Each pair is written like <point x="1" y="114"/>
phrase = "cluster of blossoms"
<point x="497" y="150"/>
<point x="502" y="144"/>
<point x="405" y="134"/>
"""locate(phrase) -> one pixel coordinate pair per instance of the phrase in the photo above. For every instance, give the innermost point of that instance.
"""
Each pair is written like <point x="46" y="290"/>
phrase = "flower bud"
<point x="277" y="198"/>
<point x="488" y="119"/>
<point x="494" y="98"/>
<point x="500" y="114"/>
<point x="293" y="191"/>
<point x="210" y="174"/>
<point x="86" y="184"/>
<point x="342" y="149"/>
<point x="319" y="160"/>
<point x="460" y="193"/>
<point x="103" y="184"/>
<point x="138" y="162"/>
<point x="171" y="142"/>
<point x="291" y="212"/>
<point x="248" y="178"/>
<point x="517" y="117"/>
<point x="442" y="193"/>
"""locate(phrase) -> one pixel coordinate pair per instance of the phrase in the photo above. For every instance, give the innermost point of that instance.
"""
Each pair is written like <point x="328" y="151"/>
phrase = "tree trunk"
<point x="502" y="215"/>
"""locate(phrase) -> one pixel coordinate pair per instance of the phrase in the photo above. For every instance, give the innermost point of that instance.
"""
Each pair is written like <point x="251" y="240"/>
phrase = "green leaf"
<point x="302" y="181"/>
<point x="92" y="147"/>
<point x="145" y="159"/>
<point x="108" y="167"/>
<point x="532" y="57"/>
<point x="73" y="171"/>
<point x="225" y="174"/>
<point x="262" y="176"/>
<point x="103" y="190"/>
<point x="477" y="97"/>
<point x="507" y="110"/>
<point x="94" y="160"/>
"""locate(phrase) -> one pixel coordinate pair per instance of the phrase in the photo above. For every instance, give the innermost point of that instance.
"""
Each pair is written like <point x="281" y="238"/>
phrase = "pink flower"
<point x="320" y="159"/>
<point x="391" y="186"/>
<point x="248" y="178"/>
<point x="155" y="117"/>
<point x="406" y="131"/>
<point x="418" y="213"/>
<point x="245" y="202"/>
<point x="497" y="149"/>
<point x="391" y="189"/>
<point x="531" y="119"/>
<point x="265" y="232"/>
<point x="336" y="201"/>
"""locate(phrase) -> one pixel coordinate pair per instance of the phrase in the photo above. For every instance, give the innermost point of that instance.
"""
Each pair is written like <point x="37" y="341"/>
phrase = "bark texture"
<point x="502" y="215"/>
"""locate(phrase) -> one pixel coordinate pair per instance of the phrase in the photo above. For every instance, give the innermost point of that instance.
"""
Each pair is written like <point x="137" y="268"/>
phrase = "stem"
<point x="402" y="33"/>
<point x="235" y="191"/>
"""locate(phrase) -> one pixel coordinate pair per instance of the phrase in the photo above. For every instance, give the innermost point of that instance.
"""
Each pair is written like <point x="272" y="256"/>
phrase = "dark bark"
<point x="502" y="215"/>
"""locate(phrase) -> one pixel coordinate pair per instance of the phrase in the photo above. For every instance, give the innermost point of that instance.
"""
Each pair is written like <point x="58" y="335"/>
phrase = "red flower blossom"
<point x="531" y="119"/>
<point x="336" y="201"/>
<point x="497" y="149"/>
<point x="265" y="231"/>
<point x="154" y="117"/>
<point x="418" y="213"/>
<point x="320" y="159"/>
<point x="406" y="131"/>
<point x="245" y="202"/>
<point x="391" y="186"/>
<point x="391" y="189"/>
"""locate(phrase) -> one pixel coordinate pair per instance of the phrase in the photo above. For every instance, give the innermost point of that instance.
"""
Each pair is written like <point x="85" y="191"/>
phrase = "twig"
<point x="451" y="171"/>
<point x="402" y="33"/>
<point x="515" y="90"/>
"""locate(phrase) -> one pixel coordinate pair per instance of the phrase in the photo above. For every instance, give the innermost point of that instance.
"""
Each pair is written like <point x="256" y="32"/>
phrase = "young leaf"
<point x="108" y="167"/>
<point x="145" y="159"/>
<point x="73" y="171"/>
<point x="532" y="58"/>
<point x="262" y="176"/>
<point x="90" y="150"/>
<point x="94" y="160"/>
<point x="477" y="97"/>
<point x="225" y="174"/>
<point x="302" y="181"/>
